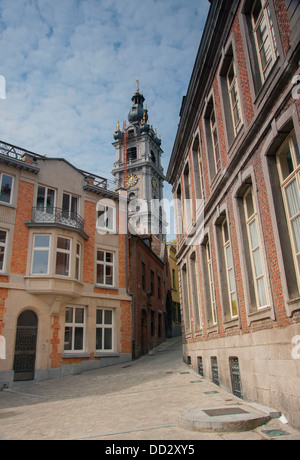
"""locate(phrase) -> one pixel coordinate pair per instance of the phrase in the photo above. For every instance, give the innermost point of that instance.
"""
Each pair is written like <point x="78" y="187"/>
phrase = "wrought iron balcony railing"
<point x="51" y="215"/>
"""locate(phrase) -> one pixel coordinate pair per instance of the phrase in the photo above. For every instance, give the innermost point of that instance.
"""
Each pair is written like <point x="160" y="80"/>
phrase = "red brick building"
<point x="237" y="149"/>
<point x="149" y="284"/>
<point x="64" y="306"/>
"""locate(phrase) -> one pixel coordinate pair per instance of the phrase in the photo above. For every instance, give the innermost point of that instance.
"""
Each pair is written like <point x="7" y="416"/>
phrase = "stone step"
<point x="224" y="419"/>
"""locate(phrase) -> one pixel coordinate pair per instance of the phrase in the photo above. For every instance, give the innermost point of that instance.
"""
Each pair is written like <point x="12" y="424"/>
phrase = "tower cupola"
<point x="137" y="112"/>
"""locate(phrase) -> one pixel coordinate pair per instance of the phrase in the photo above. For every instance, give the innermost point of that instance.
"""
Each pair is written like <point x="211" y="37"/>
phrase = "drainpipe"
<point x="123" y="211"/>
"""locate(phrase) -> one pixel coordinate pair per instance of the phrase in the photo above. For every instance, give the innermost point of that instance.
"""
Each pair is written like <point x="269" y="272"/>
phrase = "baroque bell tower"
<point x="140" y="171"/>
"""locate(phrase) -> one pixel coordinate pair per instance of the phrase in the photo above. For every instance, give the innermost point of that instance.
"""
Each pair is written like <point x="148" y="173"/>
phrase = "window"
<point x="159" y="287"/>
<point x="257" y="263"/>
<point x="132" y="154"/>
<point x="186" y="304"/>
<point x="143" y="276"/>
<point x="78" y="262"/>
<point x="288" y="163"/>
<point x="45" y="199"/>
<point x="153" y="157"/>
<point x="195" y="291"/>
<point x="104" y="330"/>
<point x="234" y="98"/>
<point x="188" y="203"/>
<point x="229" y="270"/>
<point x="179" y="213"/>
<point x="200" y="366"/>
<point x="173" y="279"/>
<point x="152" y="323"/>
<point x="264" y="34"/>
<point x="212" y="139"/>
<point x="6" y="188"/>
<point x="159" y="326"/>
<point x="152" y="282"/>
<point x="105" y="268"/>
<point x="40" y="260"/>
<point x="212" y="294"/>
<point x="198" y="169"/>
<point x="75" y="328"/>
<point x="69" y="206"/>
<point x="63" y="256"/>
<point x="215" y="370"/>
<point x="3" y="244"/>
<point x="106" y="217"/>
<point x="215" y="140"/>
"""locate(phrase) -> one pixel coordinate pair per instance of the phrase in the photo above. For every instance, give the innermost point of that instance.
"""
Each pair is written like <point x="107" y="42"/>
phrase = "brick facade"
<point x="247" y="286"/>
<point x="148" y="258"/>
<point x="83" y="316"/>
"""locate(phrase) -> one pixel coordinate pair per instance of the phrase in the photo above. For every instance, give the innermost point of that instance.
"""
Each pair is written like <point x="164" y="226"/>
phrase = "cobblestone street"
<point x="137" y="401"/>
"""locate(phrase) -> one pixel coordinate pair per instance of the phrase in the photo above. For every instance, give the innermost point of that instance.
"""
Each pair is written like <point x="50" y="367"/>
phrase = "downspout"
<point x="124" y="224"/>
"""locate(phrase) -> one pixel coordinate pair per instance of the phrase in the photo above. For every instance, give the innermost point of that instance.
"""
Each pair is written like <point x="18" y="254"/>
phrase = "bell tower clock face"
<point x="154" y="183"/>
<point x="132" y="180"/>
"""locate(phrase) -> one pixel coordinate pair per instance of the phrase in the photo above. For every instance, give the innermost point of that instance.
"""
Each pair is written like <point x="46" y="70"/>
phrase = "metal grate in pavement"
<point x="275" y="433"/>
<point x="225" y="411"/>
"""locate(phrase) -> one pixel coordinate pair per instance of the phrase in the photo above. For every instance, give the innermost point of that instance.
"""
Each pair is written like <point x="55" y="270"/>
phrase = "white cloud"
<point x="70" y="70"/>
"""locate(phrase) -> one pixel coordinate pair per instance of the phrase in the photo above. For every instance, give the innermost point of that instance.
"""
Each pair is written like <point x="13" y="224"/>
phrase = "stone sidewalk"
<point x="147" y="399"/>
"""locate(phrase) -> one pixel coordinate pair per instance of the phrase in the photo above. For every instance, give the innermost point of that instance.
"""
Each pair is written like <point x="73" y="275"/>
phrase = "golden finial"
<point x="138" y="85"/>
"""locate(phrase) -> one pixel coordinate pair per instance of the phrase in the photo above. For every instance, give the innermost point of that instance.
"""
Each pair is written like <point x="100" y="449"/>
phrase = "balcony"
<point x="53" y="285"/>
<point x="57" y="217"/>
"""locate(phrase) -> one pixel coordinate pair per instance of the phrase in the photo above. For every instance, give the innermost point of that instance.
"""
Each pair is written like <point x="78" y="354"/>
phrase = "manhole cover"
<point x="275" y="433"/>
<point x="184" y="373"/>
<point x="196" y="381"/>
<point x="211" y="392"/>
<point x="225" y="411"/>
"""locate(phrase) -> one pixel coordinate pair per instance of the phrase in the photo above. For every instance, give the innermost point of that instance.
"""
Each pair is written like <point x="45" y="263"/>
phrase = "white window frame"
<point x="215" y="145"/>
<point x="63" y="251"/>
<point x="45" y="209"/>
<point x="249" y="220"/>
<point x="285" y="182"/>
<point x="41" y="249"/>
<point x="4" y="246"/>
<point x="71" y="198"/>
<point x="104" y="326"/>
<point x="195" y="291"/>
<point x="11" y="190"/>
<point x="212" y="292"/>
<point x="186" y="297"/>
<point x="229" y="269"/>
<point x="109" y="224"/>
<point x="78" y="258"/>
<point x="73" y="325"/>
<point x="105" y="264"/>
<point x="233" y="89"/>
<point x="265" y="15"/>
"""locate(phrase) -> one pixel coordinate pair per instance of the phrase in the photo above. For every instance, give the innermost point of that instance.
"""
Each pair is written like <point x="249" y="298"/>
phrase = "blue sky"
<point x="71" y="68"/>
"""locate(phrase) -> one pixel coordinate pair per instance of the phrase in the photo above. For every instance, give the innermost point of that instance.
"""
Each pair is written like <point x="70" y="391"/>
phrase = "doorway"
<point x="25" y="348"/>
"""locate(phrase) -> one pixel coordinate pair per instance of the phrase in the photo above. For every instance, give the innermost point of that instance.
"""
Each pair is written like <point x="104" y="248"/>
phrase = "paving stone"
<point x="140" y="402"/>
